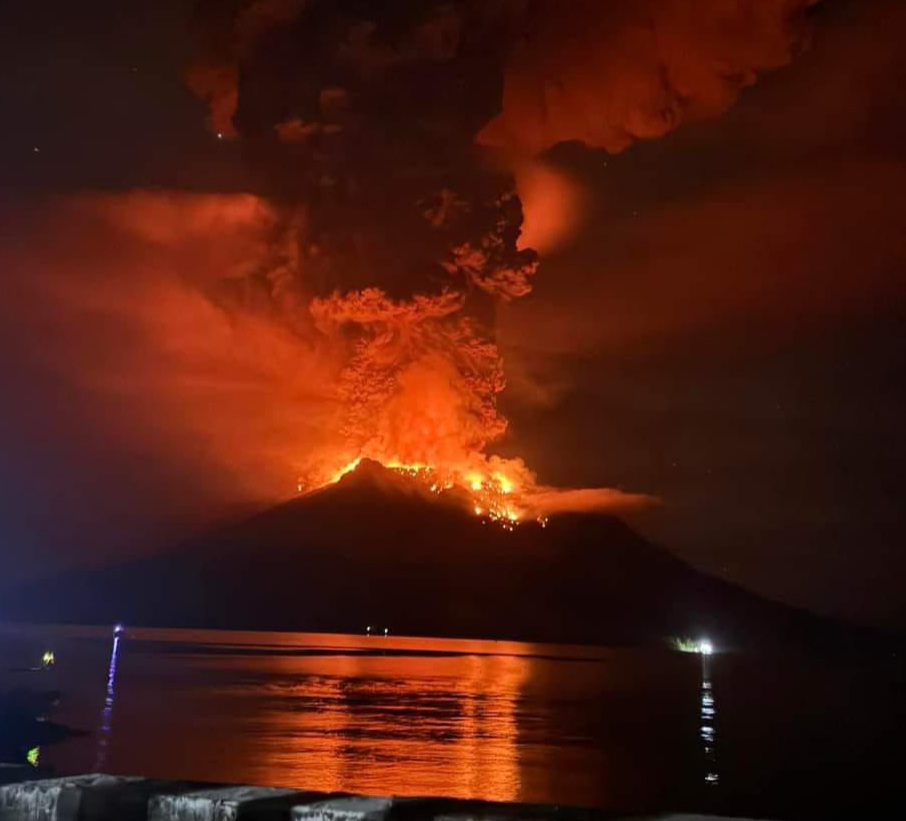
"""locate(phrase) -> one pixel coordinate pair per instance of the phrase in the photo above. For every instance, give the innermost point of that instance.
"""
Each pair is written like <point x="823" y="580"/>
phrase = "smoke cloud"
<point x="362" y="119"/>
<point x="152" y="304"/>
<point x="721" y="248"/>
<point x="551" y="501"/>
<point x="349" y="310"/>
<point x="555" y="206"/>
<point x="231" y="32"/>
<point x="607" y="74"/>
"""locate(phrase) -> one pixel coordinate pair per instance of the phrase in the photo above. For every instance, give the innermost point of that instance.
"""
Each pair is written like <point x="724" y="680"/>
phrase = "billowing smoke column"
<point x="361" y="119"/>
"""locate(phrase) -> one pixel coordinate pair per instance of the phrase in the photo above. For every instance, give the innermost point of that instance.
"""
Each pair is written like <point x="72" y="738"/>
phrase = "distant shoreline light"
<point x="703" y="647"/>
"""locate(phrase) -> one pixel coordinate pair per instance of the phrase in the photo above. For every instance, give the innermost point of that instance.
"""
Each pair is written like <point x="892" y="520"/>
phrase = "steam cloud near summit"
<point x="348" y="310"/>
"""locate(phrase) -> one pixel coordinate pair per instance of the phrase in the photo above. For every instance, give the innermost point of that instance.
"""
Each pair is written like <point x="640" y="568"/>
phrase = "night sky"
<point x="723" y="329"/>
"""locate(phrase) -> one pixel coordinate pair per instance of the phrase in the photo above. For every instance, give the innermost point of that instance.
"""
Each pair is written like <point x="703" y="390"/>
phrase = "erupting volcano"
<point x="341" y="312"/>
<point x="418" y="388"/>
<point x="388" y="138"/>
<point x="417" y="391"/>
<point x="378" y="546"/>
<point x="493" y="495"/>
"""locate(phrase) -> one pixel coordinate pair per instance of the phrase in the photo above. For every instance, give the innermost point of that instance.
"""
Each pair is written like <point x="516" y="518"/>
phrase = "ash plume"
<point x="358" y="119"/>
<point x="400" y="236"/>
<point x="608" y="74"/>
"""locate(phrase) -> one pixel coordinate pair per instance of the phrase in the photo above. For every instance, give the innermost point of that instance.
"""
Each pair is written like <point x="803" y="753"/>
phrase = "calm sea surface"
<point x="623" y="730"/>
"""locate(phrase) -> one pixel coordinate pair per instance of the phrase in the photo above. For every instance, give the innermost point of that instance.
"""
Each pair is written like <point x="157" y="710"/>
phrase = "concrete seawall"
<point x="115" y="798"/>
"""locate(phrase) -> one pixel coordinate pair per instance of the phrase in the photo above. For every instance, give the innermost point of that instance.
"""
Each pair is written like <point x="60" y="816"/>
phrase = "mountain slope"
<point x="378" y="549"/>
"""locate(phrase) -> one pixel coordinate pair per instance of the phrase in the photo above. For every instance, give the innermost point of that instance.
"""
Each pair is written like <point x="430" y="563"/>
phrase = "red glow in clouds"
<point x="553" y="205"/>
<point x="154" y="317"/>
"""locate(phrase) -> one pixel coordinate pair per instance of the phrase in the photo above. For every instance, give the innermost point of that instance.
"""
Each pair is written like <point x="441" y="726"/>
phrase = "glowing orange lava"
<point x="495" y="494"/>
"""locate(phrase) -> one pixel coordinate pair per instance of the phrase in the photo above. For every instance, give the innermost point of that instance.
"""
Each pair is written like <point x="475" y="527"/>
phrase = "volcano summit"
<point x="379" y="547"/>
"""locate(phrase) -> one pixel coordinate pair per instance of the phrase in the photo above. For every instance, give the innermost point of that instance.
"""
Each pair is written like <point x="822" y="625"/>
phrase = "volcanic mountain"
<point x="378" y="548"/>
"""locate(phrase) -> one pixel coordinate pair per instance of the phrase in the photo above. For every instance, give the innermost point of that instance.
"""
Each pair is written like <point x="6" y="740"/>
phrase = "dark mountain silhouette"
<point x="379" y="549"/>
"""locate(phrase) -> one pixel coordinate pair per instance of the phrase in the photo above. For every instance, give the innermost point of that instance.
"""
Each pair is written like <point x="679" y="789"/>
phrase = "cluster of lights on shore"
<point x="492" y="493"/>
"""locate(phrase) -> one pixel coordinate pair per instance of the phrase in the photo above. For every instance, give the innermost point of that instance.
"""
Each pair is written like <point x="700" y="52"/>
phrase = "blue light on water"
<point x="109" y="698"/>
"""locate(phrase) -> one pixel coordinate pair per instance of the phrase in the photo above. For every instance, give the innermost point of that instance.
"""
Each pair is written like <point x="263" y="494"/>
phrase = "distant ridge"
<point x="377" y="548"/>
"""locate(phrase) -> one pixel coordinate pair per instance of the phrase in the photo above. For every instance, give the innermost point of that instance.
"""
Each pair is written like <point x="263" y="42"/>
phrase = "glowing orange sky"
<point x="740" y="240"/>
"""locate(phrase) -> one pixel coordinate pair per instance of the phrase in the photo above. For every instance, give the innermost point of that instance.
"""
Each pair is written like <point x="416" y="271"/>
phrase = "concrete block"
<point x="82" y="798"/>
<point x="225" y="804"/>
<point x="344" y="808"/>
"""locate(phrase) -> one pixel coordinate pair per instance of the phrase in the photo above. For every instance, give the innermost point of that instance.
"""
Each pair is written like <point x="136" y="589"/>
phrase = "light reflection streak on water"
<point x="708" y="715"/>
<point x="107" y="712"/>
<point x="442" y="737"/>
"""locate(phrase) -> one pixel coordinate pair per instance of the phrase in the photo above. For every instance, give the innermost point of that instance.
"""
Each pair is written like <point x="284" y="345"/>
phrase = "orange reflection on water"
<point x="369" y="722"/>
<point x="447" y="717"/>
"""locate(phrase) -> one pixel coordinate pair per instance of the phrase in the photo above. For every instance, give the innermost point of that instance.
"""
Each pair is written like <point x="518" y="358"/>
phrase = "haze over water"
<point x="624" y="730"/>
